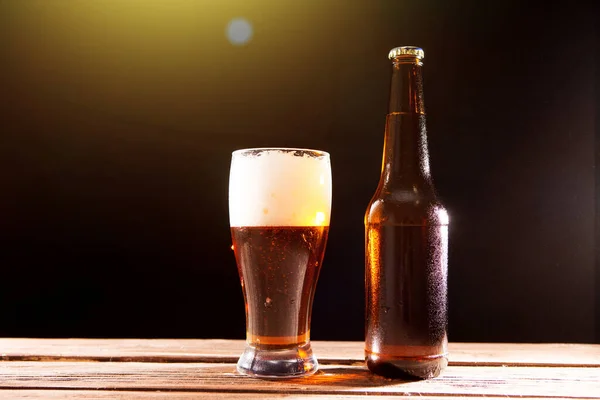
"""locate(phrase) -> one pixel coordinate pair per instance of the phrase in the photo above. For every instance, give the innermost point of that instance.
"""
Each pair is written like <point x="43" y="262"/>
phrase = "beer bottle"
<point x="406" y="240"/>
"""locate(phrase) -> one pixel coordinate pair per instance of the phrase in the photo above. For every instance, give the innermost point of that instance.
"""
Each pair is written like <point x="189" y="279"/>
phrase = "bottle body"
<point x="406" y="290"/>
<point x="406" y="245"/>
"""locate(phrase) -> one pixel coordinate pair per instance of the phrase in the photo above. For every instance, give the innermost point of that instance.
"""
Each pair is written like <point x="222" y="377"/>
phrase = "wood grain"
<point x="558" y="382"/>
<point x="174" y="395"/>
<point x="227" y="351"/>
<point x="205" y="369"/>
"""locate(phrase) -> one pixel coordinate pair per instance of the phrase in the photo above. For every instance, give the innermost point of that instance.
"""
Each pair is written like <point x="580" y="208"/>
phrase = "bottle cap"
<point x="406" y="51"/>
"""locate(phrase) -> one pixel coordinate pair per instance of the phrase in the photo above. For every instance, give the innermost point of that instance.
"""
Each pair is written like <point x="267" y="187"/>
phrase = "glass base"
<point x="280" y="363"/>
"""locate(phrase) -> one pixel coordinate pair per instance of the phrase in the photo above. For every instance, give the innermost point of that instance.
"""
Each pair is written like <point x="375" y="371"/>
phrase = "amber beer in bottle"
<point x="406" y="240"/>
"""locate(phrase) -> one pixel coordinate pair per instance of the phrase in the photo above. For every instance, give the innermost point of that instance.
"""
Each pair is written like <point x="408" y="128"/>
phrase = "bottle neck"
<point x="405" y="156"/>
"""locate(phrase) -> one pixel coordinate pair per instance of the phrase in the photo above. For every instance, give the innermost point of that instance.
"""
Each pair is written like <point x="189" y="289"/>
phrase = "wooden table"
<point x="205" y="369"/>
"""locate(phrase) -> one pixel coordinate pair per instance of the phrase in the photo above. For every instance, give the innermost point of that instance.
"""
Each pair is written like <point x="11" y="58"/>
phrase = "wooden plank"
<point x="174" y="395"/>
<point x="218" y="350"/>
<point x="561" y="382"/>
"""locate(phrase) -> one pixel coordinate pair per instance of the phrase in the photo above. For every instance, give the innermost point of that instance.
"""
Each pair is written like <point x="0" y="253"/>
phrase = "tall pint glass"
<point x="279" y="210"/>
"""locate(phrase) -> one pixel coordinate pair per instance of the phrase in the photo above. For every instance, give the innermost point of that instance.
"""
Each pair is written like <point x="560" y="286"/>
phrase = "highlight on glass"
<point x="279" y="211"/>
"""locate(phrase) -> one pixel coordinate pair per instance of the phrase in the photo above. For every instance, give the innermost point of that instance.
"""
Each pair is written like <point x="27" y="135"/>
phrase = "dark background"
<point x="118" y="119"/>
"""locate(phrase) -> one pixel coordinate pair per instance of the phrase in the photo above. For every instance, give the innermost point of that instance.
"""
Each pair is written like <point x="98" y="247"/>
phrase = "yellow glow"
<point x="374" y="244"/>
<point x="320" y="218"/>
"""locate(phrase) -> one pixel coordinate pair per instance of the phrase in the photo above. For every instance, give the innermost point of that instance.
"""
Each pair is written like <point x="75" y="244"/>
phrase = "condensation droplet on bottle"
<point x="268" y="302"/>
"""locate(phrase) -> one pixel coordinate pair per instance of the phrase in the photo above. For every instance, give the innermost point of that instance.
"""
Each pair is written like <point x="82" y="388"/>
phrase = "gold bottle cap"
<point x="406" y="51"/>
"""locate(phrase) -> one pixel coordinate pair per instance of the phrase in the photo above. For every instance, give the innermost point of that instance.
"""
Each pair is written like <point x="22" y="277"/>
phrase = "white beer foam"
<point x="278" y="188"/>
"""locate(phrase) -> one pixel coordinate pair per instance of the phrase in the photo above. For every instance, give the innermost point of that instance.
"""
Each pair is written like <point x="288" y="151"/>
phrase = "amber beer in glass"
<point x="406" y="240"/>
<point x="279" y="209"/>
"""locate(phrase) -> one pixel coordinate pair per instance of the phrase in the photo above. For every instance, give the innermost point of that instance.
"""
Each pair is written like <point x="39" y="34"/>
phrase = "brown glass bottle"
<point x="406" y="241"/>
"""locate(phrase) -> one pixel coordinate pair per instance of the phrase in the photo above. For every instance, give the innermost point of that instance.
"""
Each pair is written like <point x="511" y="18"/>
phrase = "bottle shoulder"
<point x="406" y="207"/>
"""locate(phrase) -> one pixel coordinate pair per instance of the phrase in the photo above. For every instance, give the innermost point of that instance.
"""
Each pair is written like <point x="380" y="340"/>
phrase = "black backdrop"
<point x="118" y="119"/>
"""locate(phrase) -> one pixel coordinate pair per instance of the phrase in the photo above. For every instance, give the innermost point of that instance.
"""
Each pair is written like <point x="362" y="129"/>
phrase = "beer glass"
<point x="279" y="210"/>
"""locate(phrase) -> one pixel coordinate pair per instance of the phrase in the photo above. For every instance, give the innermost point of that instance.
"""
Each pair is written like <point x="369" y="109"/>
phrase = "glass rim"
<point x="313" y="152"/>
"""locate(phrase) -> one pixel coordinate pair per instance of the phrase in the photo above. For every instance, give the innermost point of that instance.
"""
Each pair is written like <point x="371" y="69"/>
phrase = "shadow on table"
<point x="346" y="376"/>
